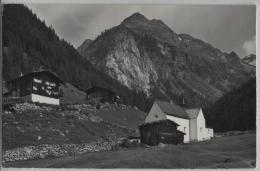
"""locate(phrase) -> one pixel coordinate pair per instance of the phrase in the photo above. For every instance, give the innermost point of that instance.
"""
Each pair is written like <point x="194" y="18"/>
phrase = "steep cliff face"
<point x="146" y="55"/>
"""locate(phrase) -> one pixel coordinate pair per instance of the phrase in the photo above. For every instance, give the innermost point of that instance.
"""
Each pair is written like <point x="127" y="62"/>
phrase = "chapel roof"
<point x="173" y="109"/>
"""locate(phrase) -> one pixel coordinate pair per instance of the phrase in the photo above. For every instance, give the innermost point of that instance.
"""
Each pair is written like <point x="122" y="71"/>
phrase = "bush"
<point x="98" y="106"/>
<point x="70" y="117"/>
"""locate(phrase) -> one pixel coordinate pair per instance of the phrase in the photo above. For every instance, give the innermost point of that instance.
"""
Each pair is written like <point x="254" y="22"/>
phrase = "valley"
<point x="83" y="107"/>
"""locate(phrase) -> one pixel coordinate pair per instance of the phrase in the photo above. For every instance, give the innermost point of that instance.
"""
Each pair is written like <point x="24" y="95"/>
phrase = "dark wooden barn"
<point x="99" y="94"/>
<point x="38" y="86"/>
<point x="163" y="131"/>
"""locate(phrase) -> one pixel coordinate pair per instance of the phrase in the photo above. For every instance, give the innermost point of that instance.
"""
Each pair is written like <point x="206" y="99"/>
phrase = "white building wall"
<point x="44" y="99"/>
<point x="193" y="130"/>
<point x="201" y="125"/>
<point x="211" y="132"/>
<point x="184" y="126"/>
<point x="155" y="114"/>
<point x="203" y="132"/>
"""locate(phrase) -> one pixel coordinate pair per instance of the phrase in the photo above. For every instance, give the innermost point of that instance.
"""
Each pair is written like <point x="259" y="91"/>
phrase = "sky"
<point x="226" y="27"/>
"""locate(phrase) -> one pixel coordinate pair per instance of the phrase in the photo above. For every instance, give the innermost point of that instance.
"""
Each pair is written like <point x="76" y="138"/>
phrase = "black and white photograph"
<point x="128" y="86"/>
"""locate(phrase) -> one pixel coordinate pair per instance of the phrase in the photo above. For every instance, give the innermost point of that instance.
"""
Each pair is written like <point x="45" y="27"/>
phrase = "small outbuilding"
<point x="100" y="94"/>
<point x="38" y="86"/>
<point x="163" y="131"/>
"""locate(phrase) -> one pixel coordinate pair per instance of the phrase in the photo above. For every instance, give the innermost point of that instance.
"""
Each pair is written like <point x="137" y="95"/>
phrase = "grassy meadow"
<point x="238" y="151"/>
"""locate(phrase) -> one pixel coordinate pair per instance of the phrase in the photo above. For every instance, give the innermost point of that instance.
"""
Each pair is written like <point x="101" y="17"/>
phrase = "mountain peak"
<point x="135" y="17"/>
<point x="233" y="53"/>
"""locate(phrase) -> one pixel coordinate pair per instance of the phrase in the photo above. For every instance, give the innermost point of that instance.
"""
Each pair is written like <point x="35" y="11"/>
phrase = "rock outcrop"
<point x="250" y="59"/>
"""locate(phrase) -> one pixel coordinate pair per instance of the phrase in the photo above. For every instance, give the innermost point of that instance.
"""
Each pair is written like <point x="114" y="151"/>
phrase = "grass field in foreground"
<point x="226" y="152"/>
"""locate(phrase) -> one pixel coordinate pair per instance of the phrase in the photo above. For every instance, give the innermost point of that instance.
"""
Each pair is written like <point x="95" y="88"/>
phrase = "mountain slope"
<point x="84" y="45"/>
<point x="146" y="55"/>
<point x="234" y="111"/>
<point x="28" y="44"/>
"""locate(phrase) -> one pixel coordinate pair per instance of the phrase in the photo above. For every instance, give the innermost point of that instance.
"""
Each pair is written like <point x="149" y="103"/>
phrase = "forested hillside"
<point x="235" y="110"/>
<point x="29" y="43"/>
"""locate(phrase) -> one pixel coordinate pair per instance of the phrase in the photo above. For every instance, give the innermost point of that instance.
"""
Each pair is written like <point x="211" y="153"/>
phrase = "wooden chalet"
<point x="100" y="94"/>
<point x="39" y="86"/>
<point x="163" y="131"/>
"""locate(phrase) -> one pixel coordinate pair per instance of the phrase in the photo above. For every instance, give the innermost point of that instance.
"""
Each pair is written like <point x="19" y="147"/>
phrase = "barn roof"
<point x="193" y="113"/>
<point x="181" y="132"/>
<point x="176" y="110"/>
<point x="31" y="74"/>
<point x="173" y="109"/>
<point x="160" y="121"/>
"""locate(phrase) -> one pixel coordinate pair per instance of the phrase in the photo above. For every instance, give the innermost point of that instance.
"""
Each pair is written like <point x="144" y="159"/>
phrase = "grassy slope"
<point x="226" y="152"/>
<point x="128" y="118"/>
<point x="55" y="125"/>
<point x="71" y="94"/>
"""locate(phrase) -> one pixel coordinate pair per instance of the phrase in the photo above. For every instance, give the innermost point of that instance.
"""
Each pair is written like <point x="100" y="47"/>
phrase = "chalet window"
<point x="156" y="116"/>
<point x="37" y="80"/>
<point x="201" y="129"/>
<point x="35" y="88"/>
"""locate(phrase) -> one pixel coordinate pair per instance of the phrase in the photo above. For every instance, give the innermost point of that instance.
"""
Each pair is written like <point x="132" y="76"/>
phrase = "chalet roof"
<point x="160" y="121"/>
<point x="193" y="113"/>
<point x="173" y="109"/>
<point x="34" y="73"/>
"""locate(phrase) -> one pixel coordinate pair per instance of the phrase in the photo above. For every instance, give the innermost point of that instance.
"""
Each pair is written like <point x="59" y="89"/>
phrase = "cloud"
<point x="249" y="46"/>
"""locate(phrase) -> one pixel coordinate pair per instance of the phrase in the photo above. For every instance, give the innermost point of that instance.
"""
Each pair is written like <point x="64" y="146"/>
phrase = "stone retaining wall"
<point x="55" y="150"/>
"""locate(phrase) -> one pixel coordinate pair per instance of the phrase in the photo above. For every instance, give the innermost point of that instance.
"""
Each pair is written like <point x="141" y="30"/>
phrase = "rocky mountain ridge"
<point x="250" y="59"/>
<point x="84" y="45"/>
